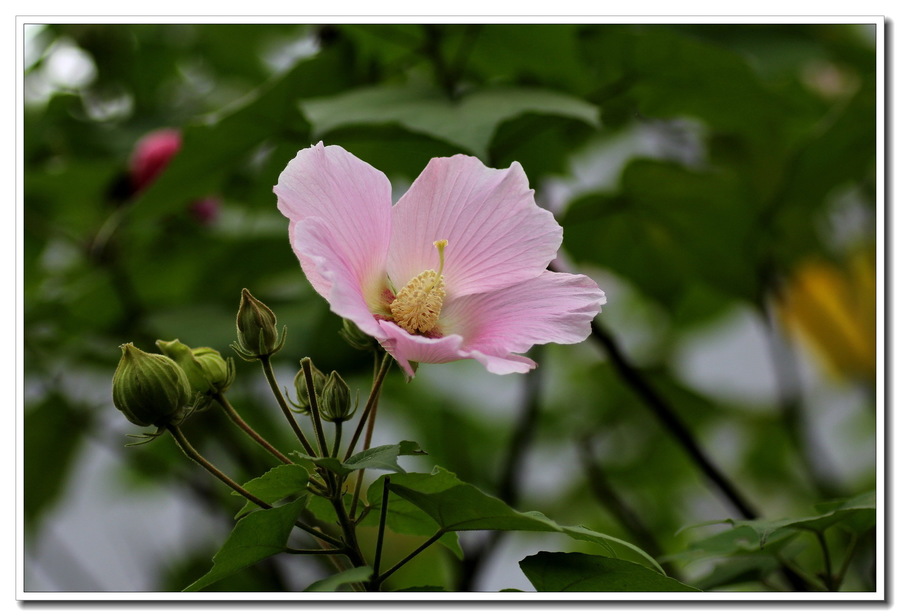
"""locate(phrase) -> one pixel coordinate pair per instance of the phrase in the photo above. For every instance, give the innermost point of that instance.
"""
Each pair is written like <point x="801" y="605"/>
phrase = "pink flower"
<point x="456" y="269"/>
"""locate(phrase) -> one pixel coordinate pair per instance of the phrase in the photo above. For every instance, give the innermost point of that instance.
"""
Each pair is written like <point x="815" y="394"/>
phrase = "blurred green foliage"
<point x="696" y="170"/>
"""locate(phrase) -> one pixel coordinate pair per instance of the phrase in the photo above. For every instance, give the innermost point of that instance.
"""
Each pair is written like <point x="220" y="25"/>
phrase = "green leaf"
<point x="334" y="582"/>
<point x="456" y="506"/>
<point x="469" y="122"/>
<point x="278" y="483"/>
<point x="857" y="512"/>
<point x="261" y="534"/>
<point x="736" y="570"/>
<point x="383" y="457"/>
<point x="747" y="536"/>
<point x="574" y="572"/>
<point x="699" y="224"/>
<point x="405" y="518"/>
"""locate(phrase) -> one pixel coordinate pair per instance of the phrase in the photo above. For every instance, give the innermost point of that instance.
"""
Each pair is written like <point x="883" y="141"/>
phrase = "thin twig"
<point x="235" y="417"/>
<point x="282" y="404"/>
<point x="194" y="455"/>
<point x="370" y="403"/>
<point x="306" y="365"/>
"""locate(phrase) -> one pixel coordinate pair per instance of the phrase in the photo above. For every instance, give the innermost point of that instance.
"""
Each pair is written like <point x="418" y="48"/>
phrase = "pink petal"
<point x="406" y="347"/>
<point x="344" y="290"/>
<point x="553" y="307"/>
<point x="497" y="234"/>
<point x="352" y="200"/>
<point x="503" y="365"/>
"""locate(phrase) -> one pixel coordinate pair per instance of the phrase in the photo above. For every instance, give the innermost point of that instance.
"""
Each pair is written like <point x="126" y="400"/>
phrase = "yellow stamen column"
<point x="417" y="306"/>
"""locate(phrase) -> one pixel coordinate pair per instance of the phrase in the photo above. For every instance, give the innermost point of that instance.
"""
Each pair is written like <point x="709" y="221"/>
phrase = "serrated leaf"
<point x="574" y="572"/>
<point x="334" y="582"/>
<point x="278" y="483"/>
<point x="255" y="537"/>
<point x="469" y="122"/>
<point x="457" y="506"/>
<point x="383" y="457"/>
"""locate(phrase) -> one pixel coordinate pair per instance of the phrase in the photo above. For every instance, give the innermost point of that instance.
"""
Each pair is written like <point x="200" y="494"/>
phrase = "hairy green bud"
<point x="256" y="329"/>
<point x="149" y="389"/>
<point x="335" y="403"/>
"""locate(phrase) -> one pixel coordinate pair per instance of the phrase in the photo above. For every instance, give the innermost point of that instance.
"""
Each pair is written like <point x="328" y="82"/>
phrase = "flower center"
<point x="417" y="306"/>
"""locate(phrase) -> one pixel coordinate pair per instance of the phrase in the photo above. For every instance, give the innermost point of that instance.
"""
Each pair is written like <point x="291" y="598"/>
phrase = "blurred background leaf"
<point x="717" y="181"/>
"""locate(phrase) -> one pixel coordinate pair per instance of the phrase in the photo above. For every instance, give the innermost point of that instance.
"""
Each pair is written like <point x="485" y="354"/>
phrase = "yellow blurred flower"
<point x="831" y="307"/>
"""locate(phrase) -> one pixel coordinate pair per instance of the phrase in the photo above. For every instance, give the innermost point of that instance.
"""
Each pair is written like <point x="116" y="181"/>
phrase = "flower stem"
<point x="194" y="455"/>
<point x="306" y="364"/>
<point x="372" y="411"/>
<point x="273" y="384"/>
<point x="338" y="432"/>
<point x="371" y="403"/>
<point x="235" y="417"/>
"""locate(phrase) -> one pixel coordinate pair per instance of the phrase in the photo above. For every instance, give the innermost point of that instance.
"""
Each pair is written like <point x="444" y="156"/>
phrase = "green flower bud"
<point x="182" y="355"/>
<point x="149" y="388"/>
<point x="357" y="338"/>
<point x="218" y="370"/>
<point x="335" y="402"/>
<point x="319" y="379"/>
<point x="256" y="329"/>
<point x="206" y="369"/>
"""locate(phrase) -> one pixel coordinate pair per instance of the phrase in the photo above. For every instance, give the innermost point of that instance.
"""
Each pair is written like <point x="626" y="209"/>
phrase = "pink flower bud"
<point x="151" y="155"/>
<point x="205" y="211"/>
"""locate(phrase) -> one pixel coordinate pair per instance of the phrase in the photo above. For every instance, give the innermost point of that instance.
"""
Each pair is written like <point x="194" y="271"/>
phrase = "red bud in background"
<point x="151" y="155"/>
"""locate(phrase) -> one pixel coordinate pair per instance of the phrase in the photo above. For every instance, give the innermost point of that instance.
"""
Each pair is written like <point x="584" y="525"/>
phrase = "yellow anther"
<point x="417" y="306"/>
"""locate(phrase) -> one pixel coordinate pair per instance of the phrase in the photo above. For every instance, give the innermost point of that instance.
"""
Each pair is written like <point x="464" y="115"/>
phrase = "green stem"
<point x="371" y="403"/>
<point x="360" y="475"/>
<point x="854" y="542"/>
<point x="338" y="432"/>
<point x="273" y="384"/>
<point x="194" y="455"/>
<point x="788" y="566"/>
<point x="385" y="494"/>
<point x="407" y="558"/>
<point x="826" y="556"/>
<point x="353" y="551"/>
<point x="306" y="364"/>
<point x="235" y="417"/>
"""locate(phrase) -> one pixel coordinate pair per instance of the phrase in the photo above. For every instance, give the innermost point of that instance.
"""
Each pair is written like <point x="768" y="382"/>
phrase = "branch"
<point x="667" y="416"/>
